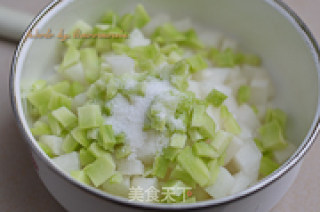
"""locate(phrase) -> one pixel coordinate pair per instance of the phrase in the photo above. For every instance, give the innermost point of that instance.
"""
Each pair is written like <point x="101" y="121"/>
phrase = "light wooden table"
<point x="20" y="187"/>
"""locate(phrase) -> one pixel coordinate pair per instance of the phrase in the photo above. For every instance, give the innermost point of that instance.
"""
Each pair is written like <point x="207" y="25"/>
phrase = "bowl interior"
<point x="257" y="25"/>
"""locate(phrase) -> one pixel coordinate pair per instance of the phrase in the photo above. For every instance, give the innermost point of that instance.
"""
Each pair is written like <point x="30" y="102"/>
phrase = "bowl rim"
<point x="310" y="138"/>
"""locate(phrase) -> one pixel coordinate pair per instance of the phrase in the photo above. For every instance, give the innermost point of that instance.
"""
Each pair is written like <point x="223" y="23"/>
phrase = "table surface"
<point x="20" y="187"/>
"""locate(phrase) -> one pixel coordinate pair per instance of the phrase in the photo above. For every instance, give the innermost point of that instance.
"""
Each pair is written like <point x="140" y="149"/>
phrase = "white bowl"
<point x="268" y="28"/>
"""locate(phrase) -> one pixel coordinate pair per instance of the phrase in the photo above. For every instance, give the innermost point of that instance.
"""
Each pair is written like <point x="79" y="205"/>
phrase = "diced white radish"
<point x="68" y="162"/>
<point x="136" y="38"/>
<point x="75" y="73"/>
<point x="183" y="24"/>
<point x="259" y="91"/>
<point x="130" y="167"/>
<point x="246" y="133"/>
<point x="120" y="64"/>
<point x="155" y="22"/>
<point x="236" y="79"/>
<point x="119" y="189"/>
<point x="232" y="149"/>
<point x="213" y="75"/>
<point x="78" y="101"/>
<point x="147" y="152"/>
<point x="223" y="184"/>
<point x="228" y="43"/>
<point x="247" y="160"/>
<point x="232" y="104"/>
<point x="211" y="38"/>
<point x="282" y="155"/>
<point x="53" y="142"/>
<point x="194" y="86"/>
<point x="247" y="117"/>
<point x="147" y="184"/>
<point x="241" y="183"/>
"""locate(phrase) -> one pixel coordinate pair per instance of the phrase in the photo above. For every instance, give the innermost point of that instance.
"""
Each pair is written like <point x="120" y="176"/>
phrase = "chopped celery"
<point x="40" y="128"/>
<point x="192" y="40"/>
<point x="180" y="82"/>
<point x="69" y="144"/>
<point x="116" y="178"/>
<point x="243" y="94"/>
<point x="86" y="157"/>
<point x="167" y="33"/>
<point x="271" y="136"/>
<point x="267" y="166"/>
<point x="40" y="99"/>
<point x="180" y="174"/>
<point x="122" y="151"/>
<point x="221" y="141"/>
<point x="110" y="18"/>
<point x="79" y="27"/>
<point x="55" y="127"/>
<point x="276" y="115"/>
<point x="216" y="98"/>
<point x="93" y="134"/>
<point x="100" y="170"/>
<point x="127" y="22"/>
<point x="223" y="59"/>
<point x="76" y="88"/>
<point x="90" y="61"/>
<point x="203" y="149"/>
<point x="197" y="63"/>
<point x="79" y="135"/>
<point x="160" y="167"/>
<point x="171" y="153"/>
<point x="141" y="17"/>
<point x="96" y="150"/>
<point x="195" y="135"/>
<point x="71" y="57"/>
<point x="62" y="87"/>
<point x="203" y="122"/>
<point x="229" y="122"/>
<point x="107" y="139"/>
<point x="58" y="100"/>
<point x="81" y="176"/>
<point x="65" y="117"/>
<point x="178" y="140"/>
<point x="89" y="116"/>
<point x="194" y="166"/>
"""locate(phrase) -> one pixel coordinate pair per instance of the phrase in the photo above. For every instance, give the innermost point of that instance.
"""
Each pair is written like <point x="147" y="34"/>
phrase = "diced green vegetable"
<point x="160" y="167"/>
<point x="178" y="140"/>
<point x="194" y="166"/>
<point x="106" y="137"/>
<point x="96" y="150"/>
<point x="202" y="121"/>
<point x="40" y="128"/>
<point x="197" y="63"/>
<point x="180" y="174"/>
<point x="38" y="85"/>
<point x="122" y="151"/>
<point x="203" y="149"/>
<point x="91" y="64"/>
<point x="69" y="144"/>
<point x="216" y="98"/>
<point x="141" y="17"/>
<point x="271" y="136"/>
<point x="80" y="136"/>
<point x="65" y="117"/>
<point x="243" y="94"/>
<point x="58" y="100"/>
<point x="276" y="115"/>
<point x="267" y="166"/>
<point x="89" y="116"/>
<point x="100" y="170"/>
<point x="214" y="168"/>
<point x="81" y="176"/>
<point x="86" y="157"/>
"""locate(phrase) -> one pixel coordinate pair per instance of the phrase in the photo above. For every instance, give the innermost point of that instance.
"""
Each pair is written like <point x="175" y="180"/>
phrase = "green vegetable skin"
<point x="197" y="145"/>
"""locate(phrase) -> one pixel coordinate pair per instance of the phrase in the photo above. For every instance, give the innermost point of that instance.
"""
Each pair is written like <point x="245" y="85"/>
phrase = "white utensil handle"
<point x="13" y="23"/>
